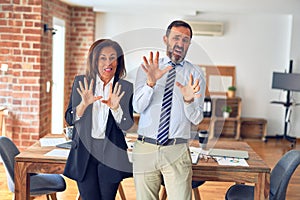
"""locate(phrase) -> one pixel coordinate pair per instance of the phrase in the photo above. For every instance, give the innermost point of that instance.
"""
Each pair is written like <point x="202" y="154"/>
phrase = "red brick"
<point x="17" y="51"/>
<point x="32" y="16"/>
<point x="32" y="38"/>
<point x="5" y="2"/>
<point x="7" y="8"/>
<point x="3" y="22"/>
<point x="17" y="59"/>
<point x="34" y="2"/>
<point x="9" y="44"/>
<point x="10" y="30"/>
<point x="25" y="137"/>
<point x="17" y="102"/>
<point x="32" y="31"/>
<point x="25" y="45"/>
<point x="22" y="9"/>
<point x="31" y="52"/>
<point x="4" y="51"/>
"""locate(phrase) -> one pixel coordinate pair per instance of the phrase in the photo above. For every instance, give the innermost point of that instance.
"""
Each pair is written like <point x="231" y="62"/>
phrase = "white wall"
<point x="295" y="55"/>
<point x="256" y="44"/>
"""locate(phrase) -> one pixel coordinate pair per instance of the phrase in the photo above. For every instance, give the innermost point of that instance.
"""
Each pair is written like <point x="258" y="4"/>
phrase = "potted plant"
<point x="226" y="111"/>
<point x="231" y="91"/>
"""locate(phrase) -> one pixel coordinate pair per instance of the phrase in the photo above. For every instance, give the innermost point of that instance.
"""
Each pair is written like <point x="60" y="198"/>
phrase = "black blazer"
<point x="111" y="151"/>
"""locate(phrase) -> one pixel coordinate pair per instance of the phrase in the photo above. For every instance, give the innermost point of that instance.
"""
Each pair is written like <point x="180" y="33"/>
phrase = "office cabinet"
<point x="219" y="126"/>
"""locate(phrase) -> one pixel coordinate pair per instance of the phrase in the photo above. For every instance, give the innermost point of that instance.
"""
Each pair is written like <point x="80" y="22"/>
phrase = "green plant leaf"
<point x="232" y="88"/>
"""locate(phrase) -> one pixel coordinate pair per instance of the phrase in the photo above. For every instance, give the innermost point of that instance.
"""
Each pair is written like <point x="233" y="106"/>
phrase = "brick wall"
<point x="28" y="52"/>
<point x="78" y="43"/>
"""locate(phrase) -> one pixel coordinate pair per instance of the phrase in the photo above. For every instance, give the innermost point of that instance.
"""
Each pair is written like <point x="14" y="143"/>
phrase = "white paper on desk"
<point x="196" y="153"/>
<point x="46" y="142"/>
<point x="231" y="161"/>
<point x="58" y="153"/>
<point x="199" y="150"/>
<point x="195" y="157"/>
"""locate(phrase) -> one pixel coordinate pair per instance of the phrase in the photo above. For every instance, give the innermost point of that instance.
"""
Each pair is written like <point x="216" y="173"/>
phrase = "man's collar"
<point x="167" y="61"/>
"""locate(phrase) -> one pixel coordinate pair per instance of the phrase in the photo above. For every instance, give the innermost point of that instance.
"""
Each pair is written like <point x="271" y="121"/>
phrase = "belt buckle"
<point x="174" y="141"/>
<point x="143" y="139"/>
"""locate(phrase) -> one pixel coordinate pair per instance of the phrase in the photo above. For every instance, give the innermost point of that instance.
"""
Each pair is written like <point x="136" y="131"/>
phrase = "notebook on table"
<point x="229" y="153"/>
<point x="65" y="145"/>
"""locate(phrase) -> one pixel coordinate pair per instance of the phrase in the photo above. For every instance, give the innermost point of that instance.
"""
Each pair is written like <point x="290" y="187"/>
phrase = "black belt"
<point x="169" y="142"/>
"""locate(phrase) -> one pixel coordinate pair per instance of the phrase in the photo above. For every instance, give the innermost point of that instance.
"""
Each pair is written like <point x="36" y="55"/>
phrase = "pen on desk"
<point x="214" y="159"/>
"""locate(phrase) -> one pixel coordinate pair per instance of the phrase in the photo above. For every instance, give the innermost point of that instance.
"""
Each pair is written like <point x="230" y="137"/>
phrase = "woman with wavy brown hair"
<point x="100" y="109"/>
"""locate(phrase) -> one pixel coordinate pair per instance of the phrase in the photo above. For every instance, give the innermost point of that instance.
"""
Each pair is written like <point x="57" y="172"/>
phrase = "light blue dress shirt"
<point x="147" y="101"/>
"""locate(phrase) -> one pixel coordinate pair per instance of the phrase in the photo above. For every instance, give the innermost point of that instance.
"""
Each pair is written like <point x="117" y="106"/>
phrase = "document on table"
<point x="46" y="142"/>
<point x="195" y="157"/>
<point x="196" y="153"/>
<point x="58" y="153"/>
<point x="231" y="161"/>
<point x="199" y="150"/>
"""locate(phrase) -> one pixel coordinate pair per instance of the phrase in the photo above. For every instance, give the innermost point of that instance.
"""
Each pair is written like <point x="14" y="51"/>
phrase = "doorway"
<point x="58" y="72"/>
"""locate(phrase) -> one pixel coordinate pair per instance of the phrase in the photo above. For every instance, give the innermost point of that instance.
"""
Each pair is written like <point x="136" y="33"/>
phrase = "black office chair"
<point x="40" y="184"/>
<point x="195" y="185"/>
<point x="279" y="180"/>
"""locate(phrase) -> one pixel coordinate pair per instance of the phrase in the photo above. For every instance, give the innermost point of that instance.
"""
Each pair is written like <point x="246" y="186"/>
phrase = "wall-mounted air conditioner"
<point x="207" y="28"/>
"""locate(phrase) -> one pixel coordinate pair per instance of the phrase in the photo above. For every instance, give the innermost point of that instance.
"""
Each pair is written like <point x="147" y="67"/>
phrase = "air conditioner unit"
<point x="207" y="28"/>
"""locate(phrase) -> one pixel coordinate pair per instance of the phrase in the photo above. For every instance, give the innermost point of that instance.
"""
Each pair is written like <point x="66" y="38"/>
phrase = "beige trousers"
<point x="151" y="162"/>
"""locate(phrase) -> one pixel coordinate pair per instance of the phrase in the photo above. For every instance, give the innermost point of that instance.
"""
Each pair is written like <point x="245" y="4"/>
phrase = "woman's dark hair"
<point x="178" y="23"/>
<point x="93" y="58"/>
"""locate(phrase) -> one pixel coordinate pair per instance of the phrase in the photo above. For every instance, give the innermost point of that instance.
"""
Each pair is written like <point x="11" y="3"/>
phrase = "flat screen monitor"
<point x="286" y="81"/>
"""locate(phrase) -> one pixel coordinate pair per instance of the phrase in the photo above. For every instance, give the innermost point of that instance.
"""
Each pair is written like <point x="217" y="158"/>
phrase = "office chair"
<point x="195" y="185"/>
<point x="279" y="180"/>
<point x="40" y="184"/>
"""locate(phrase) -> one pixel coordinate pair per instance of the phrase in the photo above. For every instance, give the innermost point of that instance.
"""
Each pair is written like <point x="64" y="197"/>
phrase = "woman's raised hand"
<point x="114" y="97"/>
<point x="86" y="92"/>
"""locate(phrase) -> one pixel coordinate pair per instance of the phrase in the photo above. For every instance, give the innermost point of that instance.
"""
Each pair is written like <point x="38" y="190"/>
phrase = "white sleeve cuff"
<point x="117" y="114"/>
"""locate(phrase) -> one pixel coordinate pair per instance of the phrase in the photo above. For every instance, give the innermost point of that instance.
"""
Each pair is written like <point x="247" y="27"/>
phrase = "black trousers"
<point x="92" y="187"/>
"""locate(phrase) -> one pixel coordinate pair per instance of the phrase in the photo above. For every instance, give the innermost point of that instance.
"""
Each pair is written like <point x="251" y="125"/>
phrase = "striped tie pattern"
<point x="163" y="130"/>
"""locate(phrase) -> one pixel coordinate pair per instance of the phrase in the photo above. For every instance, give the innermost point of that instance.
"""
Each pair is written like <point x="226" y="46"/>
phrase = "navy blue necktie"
<point x="164" y="124"/>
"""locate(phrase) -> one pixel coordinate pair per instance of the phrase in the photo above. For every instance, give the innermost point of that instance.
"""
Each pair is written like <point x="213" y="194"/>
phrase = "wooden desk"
<point x="33" y="161"/>
<point x="257" y="173"/>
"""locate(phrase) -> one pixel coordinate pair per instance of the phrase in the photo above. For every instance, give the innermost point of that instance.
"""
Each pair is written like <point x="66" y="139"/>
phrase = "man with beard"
<point x="166" y="113"/>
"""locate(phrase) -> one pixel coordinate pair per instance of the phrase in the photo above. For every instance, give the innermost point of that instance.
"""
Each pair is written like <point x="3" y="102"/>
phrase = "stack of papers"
<point x="58" y="153"/>
<point x="46" y="142"/>
<point x="231" y="161"/>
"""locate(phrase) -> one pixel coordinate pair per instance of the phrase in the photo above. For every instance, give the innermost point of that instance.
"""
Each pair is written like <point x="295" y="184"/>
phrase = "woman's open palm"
<point x="86" y="92"/>
<point x="114" y="96"/>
